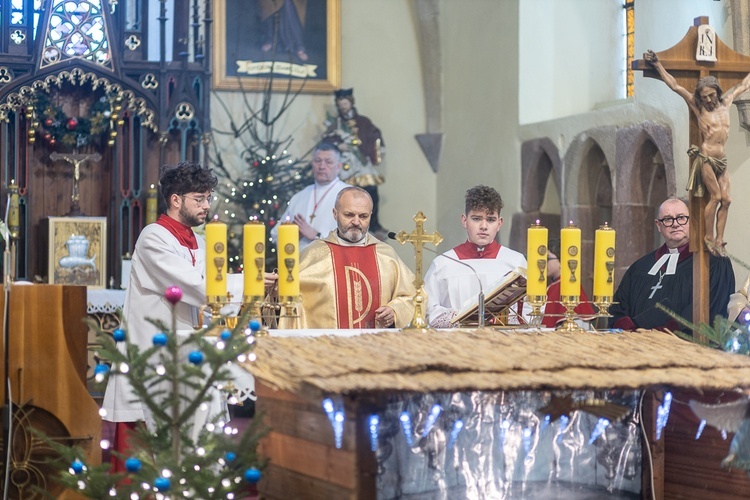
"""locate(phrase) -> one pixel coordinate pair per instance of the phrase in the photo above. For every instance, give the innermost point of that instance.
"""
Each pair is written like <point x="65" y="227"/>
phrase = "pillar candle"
<point x="151" y="205"/>
<point x="254" y="258"/>
<point x="288" y="255"/>
<point x="604" y="261"/>
<point x="570" y="261"/>
<point x="536" y="253"/>
<point x="216" y="259"/>
<point x="14" y="216"/>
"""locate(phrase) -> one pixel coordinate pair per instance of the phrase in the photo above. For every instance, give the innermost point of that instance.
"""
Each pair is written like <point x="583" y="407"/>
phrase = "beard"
<point x="711" y="105"/>
<point x="193" y="220"/>
<point x="353" y="234"/>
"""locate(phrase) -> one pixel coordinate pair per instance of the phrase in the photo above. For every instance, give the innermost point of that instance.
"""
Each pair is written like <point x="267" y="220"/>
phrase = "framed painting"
<point x="290" y="44"/>
<point x="77" y="251"/>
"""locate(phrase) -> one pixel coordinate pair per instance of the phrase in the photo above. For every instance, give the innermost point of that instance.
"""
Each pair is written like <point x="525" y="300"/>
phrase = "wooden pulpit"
<point x="46" y="369"/>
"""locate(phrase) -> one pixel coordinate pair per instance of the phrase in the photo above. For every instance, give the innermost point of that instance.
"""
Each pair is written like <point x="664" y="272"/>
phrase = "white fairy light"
<point x="105" y="444"/>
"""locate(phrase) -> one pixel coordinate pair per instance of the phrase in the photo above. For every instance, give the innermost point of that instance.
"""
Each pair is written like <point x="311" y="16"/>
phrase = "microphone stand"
<point x="480" y="297"/>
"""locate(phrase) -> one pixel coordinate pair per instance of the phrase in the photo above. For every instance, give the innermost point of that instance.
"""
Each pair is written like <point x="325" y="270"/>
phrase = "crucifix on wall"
<point x="76" y="160"/>
<point x="701" y="61"/>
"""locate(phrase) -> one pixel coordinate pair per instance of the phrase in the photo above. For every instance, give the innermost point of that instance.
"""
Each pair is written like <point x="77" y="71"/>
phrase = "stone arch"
<point x="588" y="196"/>
<point x="540" y="165"/>
<point x="645" y="177"/>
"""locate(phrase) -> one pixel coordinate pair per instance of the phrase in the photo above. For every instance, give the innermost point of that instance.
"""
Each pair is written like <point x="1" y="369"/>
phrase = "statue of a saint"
<point x="362" y="149"/>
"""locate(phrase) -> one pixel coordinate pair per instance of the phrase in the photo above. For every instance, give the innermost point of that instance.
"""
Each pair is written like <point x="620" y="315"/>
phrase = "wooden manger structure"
<point x="363" y="374"/>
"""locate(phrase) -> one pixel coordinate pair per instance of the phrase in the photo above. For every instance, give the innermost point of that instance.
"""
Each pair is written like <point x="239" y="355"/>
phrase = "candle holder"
<point x="288" y="306"/>
<point x="255" y="305"/>
<point x="536" y="302"/>
<point x="602" y="303"/>
<point x="570" y="302"/>
<point x="214" y="303"/>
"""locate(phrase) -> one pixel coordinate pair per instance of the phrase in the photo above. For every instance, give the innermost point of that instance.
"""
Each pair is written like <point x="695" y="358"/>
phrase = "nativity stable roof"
<point x="489" y="359"/>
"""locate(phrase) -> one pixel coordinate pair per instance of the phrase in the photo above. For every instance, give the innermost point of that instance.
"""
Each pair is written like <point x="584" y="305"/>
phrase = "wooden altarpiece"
<point x="137" y="100"/>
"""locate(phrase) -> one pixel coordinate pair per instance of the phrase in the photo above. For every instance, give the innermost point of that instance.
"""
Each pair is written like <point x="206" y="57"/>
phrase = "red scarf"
<point x="183" y="233"/>
<point x="469" y="250"/>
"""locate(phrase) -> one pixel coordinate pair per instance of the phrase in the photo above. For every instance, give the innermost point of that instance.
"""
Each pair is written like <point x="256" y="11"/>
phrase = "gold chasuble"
<point x="342" y="286"/>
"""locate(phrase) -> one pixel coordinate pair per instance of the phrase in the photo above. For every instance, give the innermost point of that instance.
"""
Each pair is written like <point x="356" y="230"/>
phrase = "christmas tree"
<point x="168" y="462"/>
<point x="270" y="175"/>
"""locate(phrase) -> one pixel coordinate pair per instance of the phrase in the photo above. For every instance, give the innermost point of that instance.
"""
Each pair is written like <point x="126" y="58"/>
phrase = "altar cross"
<point x="76" y="160"/>
<point x="419" y="238"/>
<point x="730" y="68"/>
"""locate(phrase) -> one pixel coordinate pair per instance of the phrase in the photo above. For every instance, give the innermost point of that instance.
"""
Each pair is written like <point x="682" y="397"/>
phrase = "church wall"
<point x="584" y="65"/>
<point x="481" y="107"/>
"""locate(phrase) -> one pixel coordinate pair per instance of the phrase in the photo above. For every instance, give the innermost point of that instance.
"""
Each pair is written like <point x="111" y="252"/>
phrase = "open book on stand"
<point x="498" y="302"/>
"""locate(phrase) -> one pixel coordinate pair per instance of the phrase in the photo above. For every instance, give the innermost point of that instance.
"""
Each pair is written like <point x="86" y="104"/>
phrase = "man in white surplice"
<point x="312" y="208"/>
<point x="167" y="253"/>
<point x="451" y="282"/>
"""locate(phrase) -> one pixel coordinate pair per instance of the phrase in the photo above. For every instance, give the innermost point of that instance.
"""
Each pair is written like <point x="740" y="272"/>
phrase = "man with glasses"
<point x="312" y="207"/>
<point x="665" y="277"/>
<point x="167" y="253"/>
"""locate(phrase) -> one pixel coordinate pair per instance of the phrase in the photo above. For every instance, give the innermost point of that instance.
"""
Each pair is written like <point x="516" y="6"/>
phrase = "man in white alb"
<point x="451" y="285"/>
<point x="167" y="253"/>
<point x="312" y="208"/>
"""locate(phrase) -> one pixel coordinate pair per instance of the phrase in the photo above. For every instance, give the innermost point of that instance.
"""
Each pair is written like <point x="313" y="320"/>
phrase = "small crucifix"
<point x="657" y="286"/>
<point x="76" y="160"/>
<point x="419" y="238"/>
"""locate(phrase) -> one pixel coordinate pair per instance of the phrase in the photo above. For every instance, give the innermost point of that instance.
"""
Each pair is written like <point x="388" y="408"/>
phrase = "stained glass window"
<point x="629" y="6"/>
<point x="76" y="31"/>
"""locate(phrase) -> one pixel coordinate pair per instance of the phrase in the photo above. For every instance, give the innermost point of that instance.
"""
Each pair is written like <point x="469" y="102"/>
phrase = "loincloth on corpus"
<point x="695" y="180"/>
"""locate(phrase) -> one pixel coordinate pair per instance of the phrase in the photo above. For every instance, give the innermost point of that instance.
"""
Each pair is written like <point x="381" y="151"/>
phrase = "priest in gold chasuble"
<point x="351" y="279"/>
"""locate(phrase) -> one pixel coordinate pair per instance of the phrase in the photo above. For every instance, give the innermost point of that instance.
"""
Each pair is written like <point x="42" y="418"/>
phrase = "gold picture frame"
<point x="77" y="251"/>
<point x="241" y="63"/>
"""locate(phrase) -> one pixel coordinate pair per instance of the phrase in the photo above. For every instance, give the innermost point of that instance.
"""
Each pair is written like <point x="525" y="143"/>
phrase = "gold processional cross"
<point x="419" y="238"/>
<point x="76" y="160"/>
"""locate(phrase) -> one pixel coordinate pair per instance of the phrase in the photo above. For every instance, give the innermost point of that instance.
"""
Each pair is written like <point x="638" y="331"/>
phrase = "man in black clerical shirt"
<point x="665" y="276"/>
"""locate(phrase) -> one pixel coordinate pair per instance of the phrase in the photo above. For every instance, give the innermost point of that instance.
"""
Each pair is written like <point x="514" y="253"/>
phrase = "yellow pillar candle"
<point x="254" y="258"/>
<point x="536" y="255"/>
<point x="288" y="255"/>
<point x="570" y="261"/>
<point x="216" y="260"/>
<point x="604" y="262"/>
<point x="151" y="205"/>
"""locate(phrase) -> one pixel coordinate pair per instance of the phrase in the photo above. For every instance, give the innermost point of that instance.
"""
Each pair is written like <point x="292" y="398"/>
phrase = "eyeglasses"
<point x="200" y="200"/>
<point x="669" y="221"/>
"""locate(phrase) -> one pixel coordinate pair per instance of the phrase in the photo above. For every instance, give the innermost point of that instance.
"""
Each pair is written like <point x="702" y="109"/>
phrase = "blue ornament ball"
<point x="118" y="335"/>
<point x="225" y="334"/>
<point x="255" y="325"/>
<point x="160" y="339"/>
<point x="132" y="464"/>
<point x="162" y="484"/>
<point x="195" y="357"/>
<point x="252" y="475"/>
<point x="101" y="368"/>
<point x="230" y="456"/>
<point x="77" y="466"/>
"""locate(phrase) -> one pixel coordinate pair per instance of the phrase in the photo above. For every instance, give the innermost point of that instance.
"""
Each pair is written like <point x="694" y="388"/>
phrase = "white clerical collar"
<point x="671" y="258"/>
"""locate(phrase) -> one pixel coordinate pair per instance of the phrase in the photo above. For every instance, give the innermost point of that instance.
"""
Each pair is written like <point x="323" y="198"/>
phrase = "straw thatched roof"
<point x="488" y="359"/>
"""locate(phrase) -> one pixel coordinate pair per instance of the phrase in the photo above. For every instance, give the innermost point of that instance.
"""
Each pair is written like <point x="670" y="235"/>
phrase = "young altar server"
<point x="452" y="281"/>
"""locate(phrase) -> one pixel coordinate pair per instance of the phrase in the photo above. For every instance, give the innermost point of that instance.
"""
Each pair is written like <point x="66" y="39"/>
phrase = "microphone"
<point x="480" y="298"/>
